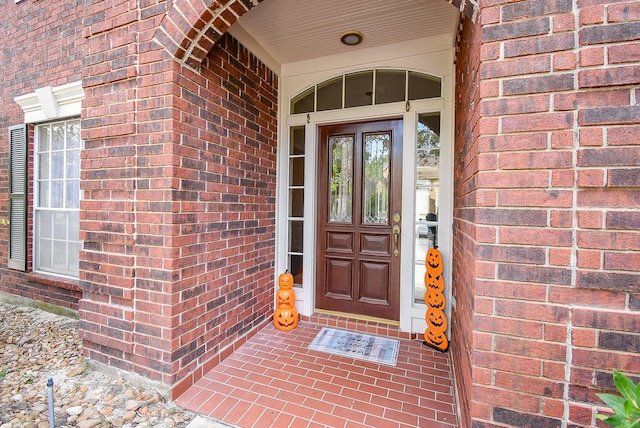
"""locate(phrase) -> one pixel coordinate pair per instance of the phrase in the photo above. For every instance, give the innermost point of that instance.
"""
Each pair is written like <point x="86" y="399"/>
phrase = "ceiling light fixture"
<point x="351" y="38"/>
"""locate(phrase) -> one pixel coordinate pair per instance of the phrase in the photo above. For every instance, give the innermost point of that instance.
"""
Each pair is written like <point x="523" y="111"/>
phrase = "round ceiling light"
<point x="351" y="38"/>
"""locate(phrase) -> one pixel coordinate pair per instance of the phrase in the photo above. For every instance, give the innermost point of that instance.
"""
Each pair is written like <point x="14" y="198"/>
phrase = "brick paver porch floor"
<point x="273" y="380"/>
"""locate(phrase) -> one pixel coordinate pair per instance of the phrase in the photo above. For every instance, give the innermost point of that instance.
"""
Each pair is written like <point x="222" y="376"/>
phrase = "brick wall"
<point x="555" y="229"/>
<point x="178" y="219"/>
<point x="41" y="46"/>
<point x="465" y="231"/>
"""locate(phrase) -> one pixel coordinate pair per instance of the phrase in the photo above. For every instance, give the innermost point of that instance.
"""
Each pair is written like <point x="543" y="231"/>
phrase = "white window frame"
<point x="57" y="210"/>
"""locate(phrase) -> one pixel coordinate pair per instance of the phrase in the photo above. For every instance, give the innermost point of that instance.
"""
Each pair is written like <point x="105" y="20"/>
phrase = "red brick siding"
<point x="466" y="233"/>
<point x="178" y="222"/>
<point x="556" y="224"/>
<point x="42" y="45"/>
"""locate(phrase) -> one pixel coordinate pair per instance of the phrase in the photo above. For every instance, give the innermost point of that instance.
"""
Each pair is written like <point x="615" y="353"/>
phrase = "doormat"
<point x="381" y="350"/>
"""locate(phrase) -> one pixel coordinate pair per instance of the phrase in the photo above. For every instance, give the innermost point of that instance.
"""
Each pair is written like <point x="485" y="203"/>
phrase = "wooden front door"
<point x="359" y="202"/>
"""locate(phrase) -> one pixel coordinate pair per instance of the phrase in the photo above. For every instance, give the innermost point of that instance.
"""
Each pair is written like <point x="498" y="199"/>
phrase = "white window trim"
<point x="49" y="103"/>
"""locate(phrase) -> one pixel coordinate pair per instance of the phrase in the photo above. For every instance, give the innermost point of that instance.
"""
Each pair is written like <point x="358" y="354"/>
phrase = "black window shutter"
<point x="18" y="197"/>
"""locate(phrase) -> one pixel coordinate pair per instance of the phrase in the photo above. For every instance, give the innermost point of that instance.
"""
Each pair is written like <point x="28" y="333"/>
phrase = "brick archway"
<point x="192" y="27"/>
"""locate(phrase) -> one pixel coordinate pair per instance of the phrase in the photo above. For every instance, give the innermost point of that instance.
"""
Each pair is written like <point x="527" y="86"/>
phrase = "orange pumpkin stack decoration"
<point x="436" y="333"/>
<point x="286" y="315"/>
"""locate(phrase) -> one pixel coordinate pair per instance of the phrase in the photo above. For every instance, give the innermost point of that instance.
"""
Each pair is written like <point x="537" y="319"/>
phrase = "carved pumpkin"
<point x="285" y="298"/>
<point x="285" y="318"/>
<point x="285" y="280"/>
<point x="434" y="282"/>
<point x="435" y="300"/>
<point x="436" y="339"/>
<point x="434" y="261"/>
<point x="436" y="320"/>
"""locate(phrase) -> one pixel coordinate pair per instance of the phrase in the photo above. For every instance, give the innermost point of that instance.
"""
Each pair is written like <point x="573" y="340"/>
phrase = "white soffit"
<point x="49" y="103"/>
<point x="298" y="30"/>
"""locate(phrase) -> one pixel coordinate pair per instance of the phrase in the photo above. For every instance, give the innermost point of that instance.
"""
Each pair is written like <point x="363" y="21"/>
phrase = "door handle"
<point x="396" y="234"/>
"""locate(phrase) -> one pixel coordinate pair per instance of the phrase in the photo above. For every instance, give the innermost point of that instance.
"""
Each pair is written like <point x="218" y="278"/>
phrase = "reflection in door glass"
<point x="376" y="178"/>
<point x="341" y="179"/>
<point x="427" y="194"/>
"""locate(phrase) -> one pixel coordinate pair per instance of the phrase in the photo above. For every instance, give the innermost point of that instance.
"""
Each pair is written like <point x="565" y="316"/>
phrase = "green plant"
<point x="626" y="408"/>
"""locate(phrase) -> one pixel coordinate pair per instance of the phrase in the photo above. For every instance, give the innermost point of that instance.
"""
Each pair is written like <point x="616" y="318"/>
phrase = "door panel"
<point x="359" y="195"/>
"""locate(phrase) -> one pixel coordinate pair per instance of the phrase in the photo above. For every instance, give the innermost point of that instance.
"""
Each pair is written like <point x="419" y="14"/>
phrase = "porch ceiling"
<point x="297" y="30"/>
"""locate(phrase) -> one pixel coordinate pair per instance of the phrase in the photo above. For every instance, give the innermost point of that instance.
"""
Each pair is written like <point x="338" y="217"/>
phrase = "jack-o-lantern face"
<point x="285" y="318"/>
<point x="436" y="339"/>
<point x="434" y="299"/>
<point x="434" y="261"/>
<point x="285" y="298"/>
<point x="436" y="319"/>
<point x="434" y="281"/>
<point x="285" y="281"/>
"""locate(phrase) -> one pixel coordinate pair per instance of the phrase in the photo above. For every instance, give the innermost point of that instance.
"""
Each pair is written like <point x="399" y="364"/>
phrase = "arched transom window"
<point x="366" y="88"/>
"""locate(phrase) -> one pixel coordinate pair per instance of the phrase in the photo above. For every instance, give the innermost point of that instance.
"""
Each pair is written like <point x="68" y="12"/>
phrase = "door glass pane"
<point x="295" y="267"/>
<point x="427" y="194"/>
<point x="358" y="89"/>
<point x="296" y="177"/>
<point x="330" y="94"/>
<point x="376" y="178"/>
<point x="390" y="85"/>
<point x="341" y="179"/>
<point x="297" y="140"/>
<point x="295" y="236"/>
<point x="296" y="202"/>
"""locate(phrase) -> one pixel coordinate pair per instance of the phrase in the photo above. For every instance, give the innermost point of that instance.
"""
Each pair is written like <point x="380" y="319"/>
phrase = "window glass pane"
<point x="295" y="267"/>
<point x="330" y="95"/>
<point x="57" y="165"/>
<point x="73" y="135"/>
<point x="423" y="86"/>
<point x="427" y="194"/>
<point x="72" y="198"/>
<point x="74" y="254"/>
<point x="45" y="224"/>
<point x="341" y="179"/>
<point x="296" y="144"/>
<point x="57" y="136"/>
<point x="74" y="257"/>
<point x="60" y="225"/>
<point x="296" y="202"/>
<point x="60" y="256"/>
<point x="303" y="103"/>
<point x="43" y="194"/>
<point x="43" y="136"/>
<point x="44" y="254"/>
<point x="296" y="172"/>
<point x="56" y="194"/>
<point x="295" y="236"/>
<point x="390" y="86"/>
<point x="73" y="164"/>
<point x="358" y="88"/>
<point x="43" y="165"/>
<point x="376" y="178"/>
<point x="74" y="225"/>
